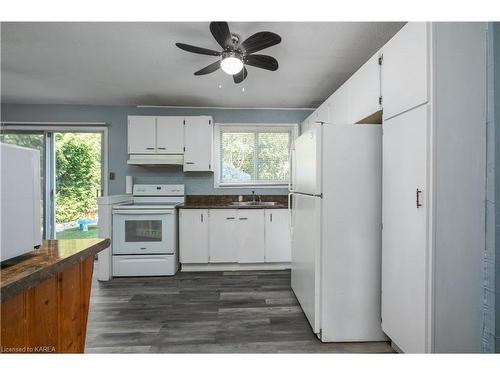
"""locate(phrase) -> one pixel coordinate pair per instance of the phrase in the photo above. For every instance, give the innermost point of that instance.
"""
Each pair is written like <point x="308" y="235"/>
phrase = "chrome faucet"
<point x="253" y="197"/>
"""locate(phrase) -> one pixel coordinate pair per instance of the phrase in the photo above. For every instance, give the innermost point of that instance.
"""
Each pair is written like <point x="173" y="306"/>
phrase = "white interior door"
<point x="170" y="134"/>
<point x="306" y="229"/>
<point x="404" y="230"/>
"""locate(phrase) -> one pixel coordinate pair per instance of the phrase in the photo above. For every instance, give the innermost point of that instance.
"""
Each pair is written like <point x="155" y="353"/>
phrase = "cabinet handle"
<point x="150" y="148"/>
<point x="271" y="218"/>
<point x="418" y="198"/>
<point x="162" y="148"/>
<point x="243" y="218"/>
<point x="202" y="218"/>
<point x="230" y="218"/>
<point x="189" y="162"/>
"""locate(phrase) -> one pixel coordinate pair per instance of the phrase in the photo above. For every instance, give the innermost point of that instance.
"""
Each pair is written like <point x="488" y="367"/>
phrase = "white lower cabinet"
<point x="193" y="236"/>
<point x="277" y="236"/>
<point x="223" y="236"/>
<point x="250" y="236"/>
<point x="244" y="236"/>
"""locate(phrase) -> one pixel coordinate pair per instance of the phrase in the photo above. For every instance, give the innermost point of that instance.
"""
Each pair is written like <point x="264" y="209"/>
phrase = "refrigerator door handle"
<point x="290" y="212"/>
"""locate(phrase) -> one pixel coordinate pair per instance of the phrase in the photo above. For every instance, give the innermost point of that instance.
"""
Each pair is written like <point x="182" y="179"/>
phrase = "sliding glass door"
<point x="71" y="173"/>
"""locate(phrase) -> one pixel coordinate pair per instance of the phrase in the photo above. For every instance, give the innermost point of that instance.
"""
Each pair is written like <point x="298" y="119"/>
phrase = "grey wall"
<point x="116" y="116"/>
<point x="496" y="101"/>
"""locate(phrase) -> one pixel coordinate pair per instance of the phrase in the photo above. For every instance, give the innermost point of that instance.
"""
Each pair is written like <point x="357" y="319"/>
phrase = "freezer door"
<point x="306" y="230"/>
<point x="306" y="162"/>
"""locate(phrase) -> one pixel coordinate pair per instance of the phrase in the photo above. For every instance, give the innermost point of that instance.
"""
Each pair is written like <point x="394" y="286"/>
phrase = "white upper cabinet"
<point x="277" y="236"/>
<point x="223" y="236"/>
<point x="364" y="91"/>
<point x="405" y="69"/>
<point x="339" y="106"/>
<point x="170" y="135"/>
<point x="250" y="236"/>
<point x="198" y="138"/>
<point x="141" y="135"/>
<point x="193" y="236"/>
<point x="322" y="114"/>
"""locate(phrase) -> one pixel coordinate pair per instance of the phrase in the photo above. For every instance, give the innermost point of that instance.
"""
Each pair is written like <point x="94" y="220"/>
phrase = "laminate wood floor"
<point x="205" y="312"/>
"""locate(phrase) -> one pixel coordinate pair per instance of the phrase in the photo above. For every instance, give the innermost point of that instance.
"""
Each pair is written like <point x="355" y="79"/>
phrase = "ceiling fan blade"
<point x="208" y="69"/>
<point x="259" y="41"/>
<point x="261" y="61"/>
<point x="221" y="33"/>
<point x="240" y="77"/>
<point x="200" y="50"/>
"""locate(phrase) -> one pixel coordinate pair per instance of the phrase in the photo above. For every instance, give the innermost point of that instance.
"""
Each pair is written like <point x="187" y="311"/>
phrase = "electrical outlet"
<point x="111" y="175"/>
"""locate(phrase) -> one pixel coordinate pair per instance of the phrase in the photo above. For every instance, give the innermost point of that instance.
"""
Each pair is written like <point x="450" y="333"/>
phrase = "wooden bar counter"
<point x="45" y="297"/>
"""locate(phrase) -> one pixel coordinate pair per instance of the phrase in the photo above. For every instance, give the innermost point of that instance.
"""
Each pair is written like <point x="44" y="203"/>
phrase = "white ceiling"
<point x="138" y="63"/>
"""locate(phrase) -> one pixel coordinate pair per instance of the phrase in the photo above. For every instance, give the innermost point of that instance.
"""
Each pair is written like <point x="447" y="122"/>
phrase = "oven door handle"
<point x="142" y="212"/>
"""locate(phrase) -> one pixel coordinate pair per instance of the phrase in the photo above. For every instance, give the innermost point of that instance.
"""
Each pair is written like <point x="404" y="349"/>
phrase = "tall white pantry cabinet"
<point x="434" y="173"/>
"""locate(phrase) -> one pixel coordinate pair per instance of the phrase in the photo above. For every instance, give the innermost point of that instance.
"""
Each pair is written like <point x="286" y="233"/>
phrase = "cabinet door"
<point x="364" y="91"/>
<point x="141" y="135"/>
<point x="404" y="257"/>
<point x="405" y="79"/>
<point x="321" y="114"/>
<point x="193" y="236"/>
<point x="223" y="237"/>
<point x="250" y="232"/>
<point x="277" y="236"/>
<point x="170" y="135"/>
<point x="339" y="106"/>
<point x="198" y="138"/>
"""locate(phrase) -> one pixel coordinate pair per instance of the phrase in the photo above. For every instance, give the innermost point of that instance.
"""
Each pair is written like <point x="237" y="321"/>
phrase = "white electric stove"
<point x="145" y="232"/>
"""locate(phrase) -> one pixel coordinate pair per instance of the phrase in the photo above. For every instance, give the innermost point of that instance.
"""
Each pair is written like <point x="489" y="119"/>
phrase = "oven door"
<point x="143" y="232"/>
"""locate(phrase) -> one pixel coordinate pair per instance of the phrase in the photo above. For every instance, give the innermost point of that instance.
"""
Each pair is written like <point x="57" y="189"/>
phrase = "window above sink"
<point x="248" y="155"/>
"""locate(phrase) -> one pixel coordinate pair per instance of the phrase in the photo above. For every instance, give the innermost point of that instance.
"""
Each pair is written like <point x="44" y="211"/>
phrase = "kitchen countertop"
<point x="224" y="202"/>
<point x="23" y="272"/>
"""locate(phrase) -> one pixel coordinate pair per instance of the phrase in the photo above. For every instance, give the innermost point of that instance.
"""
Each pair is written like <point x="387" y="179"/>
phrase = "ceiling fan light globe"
<point x="231" y="65"/>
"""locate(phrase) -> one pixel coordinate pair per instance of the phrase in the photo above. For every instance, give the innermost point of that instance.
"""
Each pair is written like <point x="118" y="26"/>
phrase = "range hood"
<point x="155" y="159"/>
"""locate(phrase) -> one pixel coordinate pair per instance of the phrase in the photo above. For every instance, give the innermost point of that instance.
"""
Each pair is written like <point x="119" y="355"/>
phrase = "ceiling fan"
<point x="235" y="55"/>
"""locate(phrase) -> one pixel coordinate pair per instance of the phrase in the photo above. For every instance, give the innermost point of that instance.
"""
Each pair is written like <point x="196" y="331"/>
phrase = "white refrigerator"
<point x="335" y="194"/>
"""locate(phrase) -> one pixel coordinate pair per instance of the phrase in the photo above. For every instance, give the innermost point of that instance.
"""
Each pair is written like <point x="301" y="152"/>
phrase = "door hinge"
<point x="381" y="59"/>
<point x="380" y="100"/>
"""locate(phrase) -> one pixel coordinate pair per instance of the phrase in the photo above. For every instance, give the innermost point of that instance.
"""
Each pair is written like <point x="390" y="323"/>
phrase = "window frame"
<point x="293" y="128"/>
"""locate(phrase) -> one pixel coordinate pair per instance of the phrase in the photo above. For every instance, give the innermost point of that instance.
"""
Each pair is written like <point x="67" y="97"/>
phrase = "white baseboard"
<point x="234" y="266"/>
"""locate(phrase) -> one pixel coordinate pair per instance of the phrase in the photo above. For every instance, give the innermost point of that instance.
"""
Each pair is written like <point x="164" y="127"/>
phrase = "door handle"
<point x="418" y="198"/>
